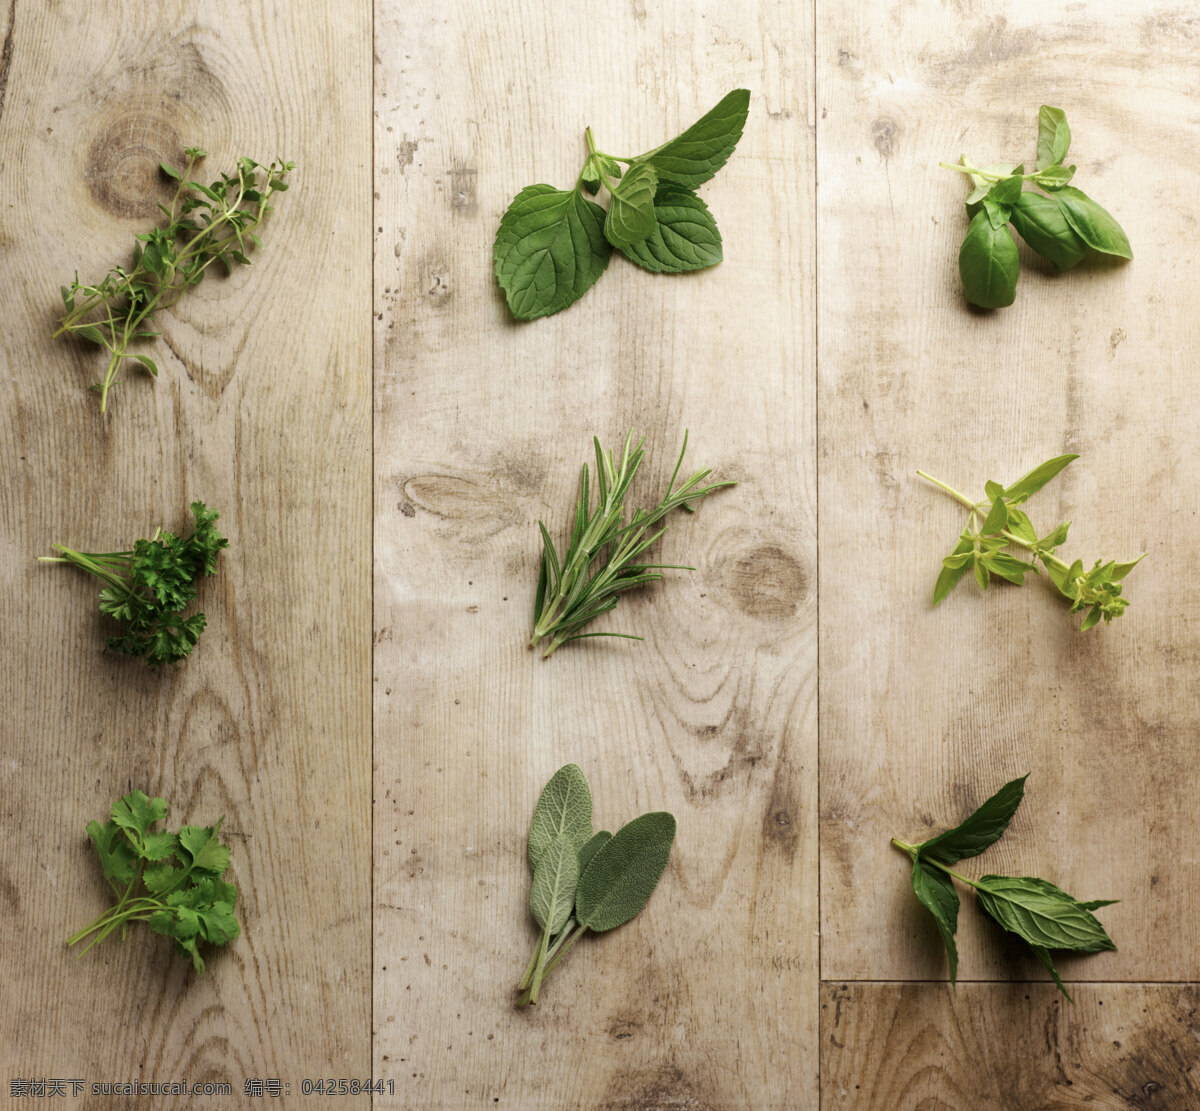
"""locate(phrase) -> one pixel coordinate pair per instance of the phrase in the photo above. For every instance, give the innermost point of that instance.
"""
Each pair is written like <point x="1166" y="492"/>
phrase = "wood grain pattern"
<point x="1009" y="1047"/>
<point x="707" y="1000"/>
<point x="262" y="409"/>
<point x="923" y="712"/>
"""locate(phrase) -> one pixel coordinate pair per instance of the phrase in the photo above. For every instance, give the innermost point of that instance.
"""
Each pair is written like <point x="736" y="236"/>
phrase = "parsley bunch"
<point x="179" y="873"/>
<point x="151" y="585"/>
<point x="996" y="523"/>
<point x="206" y="224"/>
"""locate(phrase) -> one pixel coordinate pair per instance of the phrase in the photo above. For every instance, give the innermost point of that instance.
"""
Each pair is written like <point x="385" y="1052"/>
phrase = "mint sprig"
<point x="996" y="524"/>
<point x="553" y="244"/>
<point x="1062" y="223"/>
<point x="1045" y="917"/>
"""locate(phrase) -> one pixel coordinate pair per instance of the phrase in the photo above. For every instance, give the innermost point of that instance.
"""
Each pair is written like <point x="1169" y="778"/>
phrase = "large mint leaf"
<point x="684" y="238"/>
<point x="697" y="154"/>
<point x="631" y="210"/>
<point x="1041" y="913"/>
<point x="549" y="251"/>
<point x="981" y="829"/>
<point x="936" y="891"/>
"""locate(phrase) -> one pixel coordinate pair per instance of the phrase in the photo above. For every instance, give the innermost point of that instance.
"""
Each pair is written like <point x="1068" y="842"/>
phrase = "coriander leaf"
<point x="631" y="211"/>
<point x="696" y="155"/>
<point x="200" y="849"/>
<point x="988" y="264"/>
<point x="983" y="828"/>
<point x="936" y="892"/>
<point x="112" y="847"/>
<point x="552" y="895"/>
<point x="590" y="849"/>
<point x="1041" y="223"/>
<point x="564" y="808"/>
<point x="549" y="251"/>
<point x="1041" y="913"/>
<point x="624" y="872"/>
<point x="136" y="813"/>
<point x="1032" y="482"/>
<point x="684" y="238"/>
<point x="1054" y="137"/>
<point x="1093" y="224"/>
<point x="953" y="568"/>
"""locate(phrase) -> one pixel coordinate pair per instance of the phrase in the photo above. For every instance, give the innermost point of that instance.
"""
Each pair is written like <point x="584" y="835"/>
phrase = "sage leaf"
<point x="564" y="808"/>
<point x="549" y="251"/>
<point x="1054" y="137"/>
<point x="552" y="894"/>
<point x="685" y="235"/>
<point x="1041" y="913"/>
<point x="591" y="848"/>
<point x="1040" y="221"/>
<point x="983" y="828"/>
<point x="693" y="157"/>
<point x="1093" y="224"/>
<point x="936" y="892"/>
<point x="988" y="264"/>
<point x="624" y="872"/>
<point x="631" y="212"/>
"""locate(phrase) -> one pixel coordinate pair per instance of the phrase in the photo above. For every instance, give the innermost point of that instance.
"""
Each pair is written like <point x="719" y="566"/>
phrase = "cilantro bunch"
<point x="1061" y="223"/>
<point x="1044" y="916"/>
<point x="552" y="244"/>
<point x="996" y="523"/>
<point x="205" y="224"/>
<point x="178" y="875"/>
<point x="150" y="586"/>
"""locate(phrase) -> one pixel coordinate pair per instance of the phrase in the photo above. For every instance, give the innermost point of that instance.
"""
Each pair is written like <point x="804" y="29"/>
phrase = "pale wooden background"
<point x="782" y="963"/>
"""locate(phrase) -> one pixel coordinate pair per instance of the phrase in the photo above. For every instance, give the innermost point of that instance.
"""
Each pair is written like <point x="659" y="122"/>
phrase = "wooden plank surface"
<point x="925" y="712"/>
<point x="708" y="999"/>
<point x="262" y="409"/>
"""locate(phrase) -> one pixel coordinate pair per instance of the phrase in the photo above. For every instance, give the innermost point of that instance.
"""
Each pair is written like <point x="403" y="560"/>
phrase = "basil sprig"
<point x="1044" y="916"/>
<point x="1061" y="223"/>
<point x="552" y="244"/>
<point x="584" y="881"/>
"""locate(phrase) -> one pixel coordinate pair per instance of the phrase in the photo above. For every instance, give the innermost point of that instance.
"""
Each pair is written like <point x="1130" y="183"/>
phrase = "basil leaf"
<point x="1055" y="177"/>
<point x="1054" y="137"/>
<point x="554" y="881"/>
<point x="563" y="809"/>
<point x="684" y="238"/>
<point x="624" y="872"/>
<point x="693" y="157"/>
<point x="936" y="891"/>
<point x="1093" y="224"/>
<point x="948" y="578"/>
<point x="1041" y="913"/>
<point x="549" y="250"/>
<point x="1008" y="189"/>
<point x="631" y="211"/>
<point x="982" y="184"/>
<point x="590" y="849"/>
<point x="1040" y="221"/>
<point x="981" y="829"/>
<point x="988" y="264"/>
<point x="1032" y="482"/>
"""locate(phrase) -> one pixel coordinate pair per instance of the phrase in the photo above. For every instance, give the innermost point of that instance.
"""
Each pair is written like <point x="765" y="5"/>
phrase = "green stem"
<point x="912" y="851"/>
<point x="949" y="490"/>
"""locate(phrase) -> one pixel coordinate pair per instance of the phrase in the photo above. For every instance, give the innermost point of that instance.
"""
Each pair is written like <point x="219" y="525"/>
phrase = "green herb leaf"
<point x="954" y="566"/>
<point x="550" y="249"/>
<point x="988" y="264"/>
<point x="936" y="892"/>
<point x="684" y="238"/>
<point x="1054" y="137"/>
<point x="983" y="828"/>
<point x="117" y="855"/>
<point x="554" y="880"/>
<point x="1041" y="913"/>
<point x="631" y="213"/>
<point x="624" y="872"/>
<point x="591" y="848"/>
<point x="1032" y="482"/>
<point x="1045" y="960"/>
<point x="1007" y="191"/>
<point x="996" y="519"/>
<point x="1093" y="224"/>
<point x="564" y="809"/>
<point x="696" y="155"/>
<point x="1040" y="221"/>
<point x="1055" y="177"/>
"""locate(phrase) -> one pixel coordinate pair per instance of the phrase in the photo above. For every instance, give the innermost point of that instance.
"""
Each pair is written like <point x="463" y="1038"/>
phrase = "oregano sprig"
<point x="552" y="244"/>
<point x="1061" y="223"/>
<point x="603" y="559"/>
<point x="583" y="881"/>
<point x="996" y="524"/>
<point x="205" y="224"/>
<point x="1044" y="916"/>
<point x="170" y="881"/>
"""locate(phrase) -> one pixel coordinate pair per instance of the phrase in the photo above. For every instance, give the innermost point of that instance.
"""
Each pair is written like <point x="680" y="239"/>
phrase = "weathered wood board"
<point x="261" y="409"/>
<point x="707" y="1000"/>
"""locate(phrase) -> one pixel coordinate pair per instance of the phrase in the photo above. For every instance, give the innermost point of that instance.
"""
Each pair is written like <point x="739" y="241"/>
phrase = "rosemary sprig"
<point x="571" y="592"/>
<point x="207" y="224"/>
